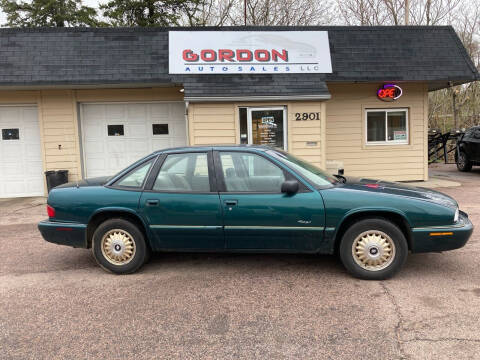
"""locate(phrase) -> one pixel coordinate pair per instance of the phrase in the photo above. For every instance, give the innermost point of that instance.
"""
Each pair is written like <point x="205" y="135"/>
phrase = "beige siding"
<point x="212" y="123"/>
<point x="306" y="139"/>
<point x="218" y="123"/>
<point x="345" y="133"/>
<point x="60" y="131"/>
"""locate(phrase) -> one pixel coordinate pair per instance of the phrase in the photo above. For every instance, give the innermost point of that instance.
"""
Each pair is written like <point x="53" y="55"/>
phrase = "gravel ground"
<point x="55" y="303"/>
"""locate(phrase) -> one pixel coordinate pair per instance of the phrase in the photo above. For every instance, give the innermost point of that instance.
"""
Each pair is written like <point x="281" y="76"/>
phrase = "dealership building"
<point x="92" y="101"/>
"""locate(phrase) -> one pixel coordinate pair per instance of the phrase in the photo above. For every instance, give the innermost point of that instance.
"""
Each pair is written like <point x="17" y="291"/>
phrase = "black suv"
<point x="468" y="149"/>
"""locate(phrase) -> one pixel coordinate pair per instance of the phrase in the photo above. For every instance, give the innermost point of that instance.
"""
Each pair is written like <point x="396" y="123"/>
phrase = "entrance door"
<point x="267" y="126"/>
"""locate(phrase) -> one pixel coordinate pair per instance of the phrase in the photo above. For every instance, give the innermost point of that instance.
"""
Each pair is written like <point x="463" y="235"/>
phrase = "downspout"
<point x="187" y="127"/>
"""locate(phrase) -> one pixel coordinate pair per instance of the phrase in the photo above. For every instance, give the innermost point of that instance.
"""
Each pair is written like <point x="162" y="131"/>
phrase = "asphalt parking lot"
<point x="56" y="303"/>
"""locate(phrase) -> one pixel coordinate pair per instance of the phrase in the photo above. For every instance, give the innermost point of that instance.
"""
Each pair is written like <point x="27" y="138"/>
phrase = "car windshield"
<point x="315" y="175"/>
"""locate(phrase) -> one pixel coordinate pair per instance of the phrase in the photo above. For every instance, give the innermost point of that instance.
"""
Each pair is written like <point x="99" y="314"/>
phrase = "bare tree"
<point x="262" y="12"/>
<point x="392" y="12"/>
<point x="209" y="12"/>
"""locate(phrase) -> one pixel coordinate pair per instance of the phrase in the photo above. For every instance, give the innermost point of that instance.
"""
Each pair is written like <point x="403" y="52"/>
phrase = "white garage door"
<point x="21" y="171"/>
<point x="116" y="135"/>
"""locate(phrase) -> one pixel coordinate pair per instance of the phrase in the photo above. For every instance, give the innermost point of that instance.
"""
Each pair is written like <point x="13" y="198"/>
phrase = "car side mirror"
<point x="290" y="187"/>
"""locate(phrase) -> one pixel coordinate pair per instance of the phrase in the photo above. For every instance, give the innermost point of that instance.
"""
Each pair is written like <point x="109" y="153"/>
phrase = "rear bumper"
<point x="442" y="238"/>
<point x="64" y="233"/>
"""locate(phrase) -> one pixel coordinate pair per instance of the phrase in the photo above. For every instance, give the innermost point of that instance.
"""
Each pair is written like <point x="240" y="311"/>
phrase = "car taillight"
<point x="50" y="211"/>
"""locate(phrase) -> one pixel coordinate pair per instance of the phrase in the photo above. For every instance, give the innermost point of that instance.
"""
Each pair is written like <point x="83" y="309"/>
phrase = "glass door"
<point x="267" y="126"/>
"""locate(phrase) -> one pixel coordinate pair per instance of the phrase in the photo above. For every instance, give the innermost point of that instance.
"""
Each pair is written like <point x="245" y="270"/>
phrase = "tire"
<point x="369" y="235"/>
<point x="119" y="246"/>
<point x="463" y="163"/>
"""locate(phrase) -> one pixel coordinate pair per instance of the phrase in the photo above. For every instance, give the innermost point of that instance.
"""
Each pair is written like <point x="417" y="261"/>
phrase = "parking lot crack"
<point x="442" y="340"/>
<point x="400" y="320"/>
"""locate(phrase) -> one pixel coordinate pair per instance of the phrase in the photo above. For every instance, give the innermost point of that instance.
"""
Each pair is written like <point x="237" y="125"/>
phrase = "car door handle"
<point x="231" y="202"/>
<point x="152" y="202"/>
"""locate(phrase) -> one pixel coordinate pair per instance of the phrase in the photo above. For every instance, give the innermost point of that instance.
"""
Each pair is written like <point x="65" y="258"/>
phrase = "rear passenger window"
<point x="247" y="172"/>
<point x="136" y="177"/>
<point x="183" y="173"/>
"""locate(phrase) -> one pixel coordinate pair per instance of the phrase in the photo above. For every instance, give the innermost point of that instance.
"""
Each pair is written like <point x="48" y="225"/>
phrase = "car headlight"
<point x="457" y="214"/>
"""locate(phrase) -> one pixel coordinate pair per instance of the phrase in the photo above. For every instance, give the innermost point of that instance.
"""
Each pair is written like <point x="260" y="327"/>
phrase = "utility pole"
<point x="245" y="12"/>
<point x="407" y="11"/>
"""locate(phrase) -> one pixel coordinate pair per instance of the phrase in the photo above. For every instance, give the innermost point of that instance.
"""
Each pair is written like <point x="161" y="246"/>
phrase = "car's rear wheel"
<point x="463" y="163"/>
<point x="119" y="246"/>
<point x="373" y="249"/>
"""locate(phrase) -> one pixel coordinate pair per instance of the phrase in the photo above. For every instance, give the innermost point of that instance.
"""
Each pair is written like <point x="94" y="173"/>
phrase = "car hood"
<point x="400" y="189"/>
<point x="98" y="181"/>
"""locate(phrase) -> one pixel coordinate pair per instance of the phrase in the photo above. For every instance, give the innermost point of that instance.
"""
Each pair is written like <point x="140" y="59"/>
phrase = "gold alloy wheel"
<point x="373" y="250"/>
<point x="118" y="247"/>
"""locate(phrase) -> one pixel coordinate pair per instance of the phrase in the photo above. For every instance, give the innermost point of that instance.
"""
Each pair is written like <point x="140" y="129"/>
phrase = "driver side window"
<point x="248" y="172"/>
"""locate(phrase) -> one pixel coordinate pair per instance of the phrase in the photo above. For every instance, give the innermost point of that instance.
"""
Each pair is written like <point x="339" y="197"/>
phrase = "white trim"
<point x="266" y="108"/>
<point x="128" y="102"/>
<point x="317" y="228"/>
<point x="387" y="142"/>
<point x="19" y="104"/>
<point x="256" y="98"/>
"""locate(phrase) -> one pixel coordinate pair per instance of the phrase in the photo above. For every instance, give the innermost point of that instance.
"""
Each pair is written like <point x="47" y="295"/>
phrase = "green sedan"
<point x="250" y="199"/>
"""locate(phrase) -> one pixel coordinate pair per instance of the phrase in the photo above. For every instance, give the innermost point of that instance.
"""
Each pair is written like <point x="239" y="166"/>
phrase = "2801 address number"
<point x="307" y="116"/>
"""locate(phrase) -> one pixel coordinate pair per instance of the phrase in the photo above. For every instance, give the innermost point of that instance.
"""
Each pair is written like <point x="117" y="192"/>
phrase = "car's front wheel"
<point x="373" y="249"/>
<point x="119" y="246"/>
<point x="463" y="163"/>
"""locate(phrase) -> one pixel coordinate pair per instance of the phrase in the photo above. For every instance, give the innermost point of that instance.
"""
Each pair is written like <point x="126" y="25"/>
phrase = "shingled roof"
<point x="39" y="57"/>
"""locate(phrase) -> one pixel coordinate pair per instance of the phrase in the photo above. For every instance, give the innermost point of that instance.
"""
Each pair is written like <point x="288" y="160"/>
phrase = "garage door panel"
<point x="32" y="187"/>
<point x="31" y="150"/>
<point x="95" y="165"/>
<point x="94" y="112"/>
<point x="138" y="146"/>
<point x="34" y="168"/>
<point x="137" y="130"/>
<point x="93" y="148"/>
<point x="138" y="139"/>
<point x="116" y="147"/>
<point x="94" y="131"/>
<point x="12" y="151"/>
<point x="136" y="111"/>
<point x="15" y="188"/>
<point x="30" y="117"/>
<point x="9" y="114"/>
<point x="30" y="135"/>
<point x="159" y="144"/>
<point x="114" y="112"/>
<point x="11" y="170"/>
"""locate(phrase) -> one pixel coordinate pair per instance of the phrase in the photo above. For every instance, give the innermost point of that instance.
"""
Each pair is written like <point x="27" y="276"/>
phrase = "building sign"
<point x="248" y="52"/>
<point x="389" y="92"/>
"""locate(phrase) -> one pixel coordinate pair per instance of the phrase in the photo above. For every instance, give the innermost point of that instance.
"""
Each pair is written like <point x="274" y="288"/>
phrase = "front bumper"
<point x="63" y="233"/>
<point x="442" y="238"/>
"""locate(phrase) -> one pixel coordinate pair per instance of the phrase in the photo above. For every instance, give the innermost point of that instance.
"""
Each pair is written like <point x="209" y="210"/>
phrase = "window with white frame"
<point x="386" y="126"/>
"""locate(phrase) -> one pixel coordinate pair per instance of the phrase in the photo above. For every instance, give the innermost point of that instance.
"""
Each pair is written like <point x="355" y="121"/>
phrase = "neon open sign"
<point x="389" y="92"/>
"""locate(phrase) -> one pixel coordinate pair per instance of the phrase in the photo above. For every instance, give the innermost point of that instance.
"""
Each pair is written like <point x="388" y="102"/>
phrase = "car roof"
<point x="214" y="147"/>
